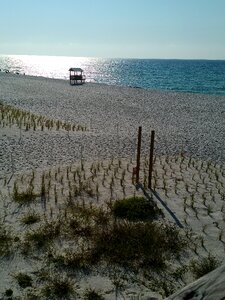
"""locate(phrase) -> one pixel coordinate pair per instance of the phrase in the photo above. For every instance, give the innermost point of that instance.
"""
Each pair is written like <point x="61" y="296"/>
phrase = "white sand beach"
<point x="96" y="140"/>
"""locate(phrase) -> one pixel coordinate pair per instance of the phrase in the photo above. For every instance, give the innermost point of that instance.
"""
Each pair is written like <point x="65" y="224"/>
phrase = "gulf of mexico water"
<point x="195" y="76"/>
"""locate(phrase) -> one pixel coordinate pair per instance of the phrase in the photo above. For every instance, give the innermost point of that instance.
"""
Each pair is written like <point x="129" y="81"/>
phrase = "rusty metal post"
<point x="151" y="159"/>
<point x="138" y="154"/>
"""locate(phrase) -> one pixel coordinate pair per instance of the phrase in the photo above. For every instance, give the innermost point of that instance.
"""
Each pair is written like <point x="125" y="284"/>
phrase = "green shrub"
<point x="204" y="266"/>
<point x="135" y="209"/>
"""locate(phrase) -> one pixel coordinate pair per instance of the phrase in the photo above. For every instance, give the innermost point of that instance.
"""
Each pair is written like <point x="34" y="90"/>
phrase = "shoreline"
<point x="216" y="94"/>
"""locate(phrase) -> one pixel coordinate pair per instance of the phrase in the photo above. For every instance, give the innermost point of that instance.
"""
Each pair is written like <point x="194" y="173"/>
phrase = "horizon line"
<point x="102" y="57"/>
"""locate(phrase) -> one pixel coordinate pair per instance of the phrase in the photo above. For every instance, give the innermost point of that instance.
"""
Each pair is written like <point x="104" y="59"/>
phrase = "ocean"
<point x="195" y="76"/>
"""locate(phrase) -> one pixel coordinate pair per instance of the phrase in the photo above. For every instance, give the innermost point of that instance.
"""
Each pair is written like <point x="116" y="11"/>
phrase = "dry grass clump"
<point x="58" y="287"/>
<point x="203" y="266"/>
<point x="41" y="236"/>
<point x="138" y="245"/>
<point x="94" y="237"/>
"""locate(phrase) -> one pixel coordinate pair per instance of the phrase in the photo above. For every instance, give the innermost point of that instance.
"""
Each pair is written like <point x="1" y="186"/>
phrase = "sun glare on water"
<point x="47" y="66"/>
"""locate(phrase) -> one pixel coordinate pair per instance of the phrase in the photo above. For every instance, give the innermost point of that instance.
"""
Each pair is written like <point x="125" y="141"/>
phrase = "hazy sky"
<point x="114" y="28"/>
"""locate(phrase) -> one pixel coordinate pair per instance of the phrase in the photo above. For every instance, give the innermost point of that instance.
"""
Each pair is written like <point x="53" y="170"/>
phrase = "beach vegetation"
<point x="136" y="209"/>
<point x="43" y="235"/>
<point x="58" y="287"/>
<point x="71" y="259"/>
<point x="31" y="217"/>
<point x="138" y="244"/>
<point x="221" y="235"/>
<point x="99" y="237"/>
<point x="24" y="280"/>
<point x="128" y="234"/>
<point x="9" y="293"/>
<point x="23" y="198"/>
<point x="93" y="294"/>
<point x="204" y="265"/>
<point x="5" y="240"/>
<point x="27" y="120"/>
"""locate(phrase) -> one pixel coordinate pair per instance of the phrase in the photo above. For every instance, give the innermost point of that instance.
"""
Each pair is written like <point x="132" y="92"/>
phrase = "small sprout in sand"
<point x="221" y="235"/>
<point x="97" y="190"/>
<point x="112" y="181"/>
<point x="192" y="201"/>
<point x="124" y="190"/>
<point x="119" y="163"/>
<point x="115" y="171"/>
<point x="204" y="198"/>
<point x="223" y="208"/>
<point x="204" y="228"/>
<point x="111" y="188"/>
<point x="185" y="220"/>
<point x="209" y="209"/>
<point x="201" y="239"/>
<point x="195" y="248"/>
<point x="123" y="174"/>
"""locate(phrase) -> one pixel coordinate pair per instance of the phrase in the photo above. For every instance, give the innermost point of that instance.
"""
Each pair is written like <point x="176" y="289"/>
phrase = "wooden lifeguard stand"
<point x="77" y="76"/>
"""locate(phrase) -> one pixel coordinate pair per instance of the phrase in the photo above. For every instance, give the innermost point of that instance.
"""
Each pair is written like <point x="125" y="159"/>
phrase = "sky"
<point x="185" y="29"/>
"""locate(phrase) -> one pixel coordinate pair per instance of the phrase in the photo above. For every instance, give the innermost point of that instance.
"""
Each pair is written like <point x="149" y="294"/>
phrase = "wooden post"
<point x="151" y="159"/>
<point x="138" y="154"/>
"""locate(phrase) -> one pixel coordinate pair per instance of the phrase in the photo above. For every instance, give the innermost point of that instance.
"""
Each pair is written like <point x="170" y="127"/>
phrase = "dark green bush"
<point x="136" y="209"/>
